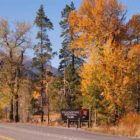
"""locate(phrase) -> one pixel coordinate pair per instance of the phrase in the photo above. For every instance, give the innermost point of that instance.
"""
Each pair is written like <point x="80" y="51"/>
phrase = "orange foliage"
<point x="100" y="36"/>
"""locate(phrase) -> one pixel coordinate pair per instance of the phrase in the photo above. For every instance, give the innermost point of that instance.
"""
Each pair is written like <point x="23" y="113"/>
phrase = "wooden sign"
<point x="84" y="115"/>
<point x="68" y="114"/>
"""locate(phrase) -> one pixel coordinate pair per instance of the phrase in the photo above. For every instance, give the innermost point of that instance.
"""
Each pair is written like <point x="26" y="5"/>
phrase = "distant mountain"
<point x="28" y="66"/>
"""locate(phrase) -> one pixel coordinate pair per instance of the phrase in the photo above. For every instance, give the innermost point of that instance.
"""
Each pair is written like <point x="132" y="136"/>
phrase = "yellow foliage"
<point x="111" y="70"/>
<point x="36" y="95"/>
<point x="4" y="100"/>
<point x="134" y="51"/>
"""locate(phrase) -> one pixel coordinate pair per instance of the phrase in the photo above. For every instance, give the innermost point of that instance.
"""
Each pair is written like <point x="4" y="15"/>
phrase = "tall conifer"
<point x="43" y="50"/>
<point x="69" y="64"/>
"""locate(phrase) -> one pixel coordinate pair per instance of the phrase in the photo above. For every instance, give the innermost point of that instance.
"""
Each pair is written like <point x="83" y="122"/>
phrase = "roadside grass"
<point x="129" y="126"/>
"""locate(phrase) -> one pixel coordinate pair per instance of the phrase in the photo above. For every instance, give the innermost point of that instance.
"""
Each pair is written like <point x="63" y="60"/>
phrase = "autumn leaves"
<point x="110" y="46"/>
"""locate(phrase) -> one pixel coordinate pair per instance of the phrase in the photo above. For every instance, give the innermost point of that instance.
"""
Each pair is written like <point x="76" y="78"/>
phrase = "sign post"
<point x="68" y="125"/>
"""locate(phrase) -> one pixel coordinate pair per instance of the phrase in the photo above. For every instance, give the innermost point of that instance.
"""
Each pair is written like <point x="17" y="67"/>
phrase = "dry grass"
<point x="54" y="119"/>
<point x="129" y="125"/>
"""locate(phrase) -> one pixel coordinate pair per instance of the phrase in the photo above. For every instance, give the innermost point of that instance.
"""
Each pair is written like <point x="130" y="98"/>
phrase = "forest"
<point x="99" y="64"/>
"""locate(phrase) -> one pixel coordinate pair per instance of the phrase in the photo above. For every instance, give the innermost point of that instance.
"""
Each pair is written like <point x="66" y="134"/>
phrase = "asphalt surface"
<point x="30" y="132"/>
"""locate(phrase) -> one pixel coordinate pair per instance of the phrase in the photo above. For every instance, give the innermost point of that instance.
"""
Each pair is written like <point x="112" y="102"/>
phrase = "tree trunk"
<point x="16" y="109"/>
<point x="95" y="118"/>
<point x="73" y="59"/>
<point x="42" y="115"/>
<point x="42" y="110"/>
<point x="48" y="110"/>
<point x="48" y="114"/>
<point x="11" y="116"/>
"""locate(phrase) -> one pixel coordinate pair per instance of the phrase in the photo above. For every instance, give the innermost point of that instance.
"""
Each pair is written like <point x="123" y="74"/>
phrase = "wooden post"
<point x="79" y="123"/>
<point x="68" y="125"/>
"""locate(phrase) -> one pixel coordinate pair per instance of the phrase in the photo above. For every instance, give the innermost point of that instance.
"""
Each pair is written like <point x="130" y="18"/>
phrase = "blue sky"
<point x="25" y="10"/>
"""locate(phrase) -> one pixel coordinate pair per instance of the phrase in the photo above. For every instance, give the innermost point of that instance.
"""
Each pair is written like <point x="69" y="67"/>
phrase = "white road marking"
<point x="5" y="137"/>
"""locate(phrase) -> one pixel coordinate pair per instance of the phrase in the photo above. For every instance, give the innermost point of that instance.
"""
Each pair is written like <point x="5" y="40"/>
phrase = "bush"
<point x="129" y="125"/>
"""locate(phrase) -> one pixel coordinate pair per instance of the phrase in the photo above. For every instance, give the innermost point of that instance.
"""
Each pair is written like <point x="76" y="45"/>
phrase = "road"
<point x="30" y="132"/>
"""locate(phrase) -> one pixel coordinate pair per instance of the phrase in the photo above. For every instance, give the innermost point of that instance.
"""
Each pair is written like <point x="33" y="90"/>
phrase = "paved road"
<point x="29" y="132"/>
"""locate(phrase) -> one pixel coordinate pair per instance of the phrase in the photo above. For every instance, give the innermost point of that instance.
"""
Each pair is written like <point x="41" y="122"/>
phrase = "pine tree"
<point x="66" y="53"/>
<point x="43" y="50"/>
<point x="69" y="63"/>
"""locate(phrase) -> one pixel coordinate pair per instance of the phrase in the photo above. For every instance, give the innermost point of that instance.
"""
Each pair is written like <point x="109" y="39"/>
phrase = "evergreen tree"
<point x="43" y="50"/>
<point x="69" y="64"/>
<point x="66" y="53"/>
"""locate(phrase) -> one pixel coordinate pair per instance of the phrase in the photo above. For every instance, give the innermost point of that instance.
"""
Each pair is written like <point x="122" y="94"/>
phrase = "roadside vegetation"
<point x="99" y="68"/>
